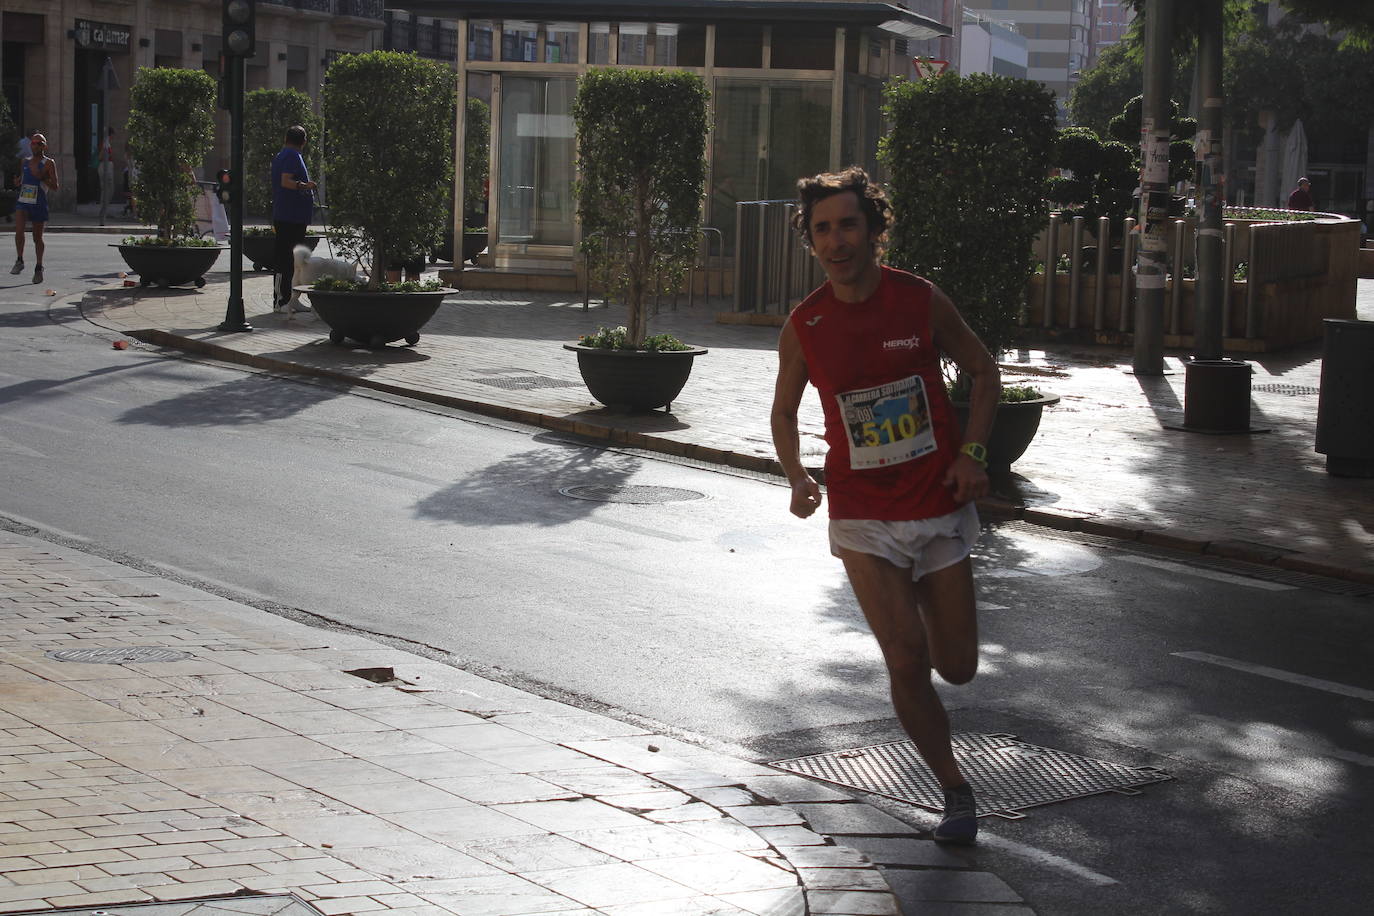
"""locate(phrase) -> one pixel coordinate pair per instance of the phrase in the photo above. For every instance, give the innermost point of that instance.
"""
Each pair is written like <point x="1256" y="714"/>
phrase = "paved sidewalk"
<point x="277" y="758"/>
<point x="1105" y="460"/>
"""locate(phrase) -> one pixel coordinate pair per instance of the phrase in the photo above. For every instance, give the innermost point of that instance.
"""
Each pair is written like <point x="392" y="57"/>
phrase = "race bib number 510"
<point x="888" y="424"/>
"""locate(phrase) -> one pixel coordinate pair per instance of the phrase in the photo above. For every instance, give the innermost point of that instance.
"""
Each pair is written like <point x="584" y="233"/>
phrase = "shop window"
<point x="803" y="47"/>
<point x="739" y="46"/>
<point x="599" y="43"/>
<point x="480" y="33"/>
<point x="519" y="41"/>
<point x="560" y="43"/>
<point x="634" y="43"/>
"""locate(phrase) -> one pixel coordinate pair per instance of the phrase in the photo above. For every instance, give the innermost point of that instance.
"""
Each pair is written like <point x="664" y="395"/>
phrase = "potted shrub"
<point x="390" y="172"/>
<point x="9" y="160"/>
<point x="171" y="124"/>
<point x="968" y="158"/>
<point x="641" y="148"/>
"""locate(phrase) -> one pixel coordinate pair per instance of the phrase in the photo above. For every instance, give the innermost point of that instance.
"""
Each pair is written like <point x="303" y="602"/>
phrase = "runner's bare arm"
<point x="966" y="477"/>
<point x="53" y="183"/>
<point x="787" y="395"/>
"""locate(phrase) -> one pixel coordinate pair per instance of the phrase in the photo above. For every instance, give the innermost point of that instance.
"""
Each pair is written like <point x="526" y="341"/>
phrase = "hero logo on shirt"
<point x="902" y="343"/>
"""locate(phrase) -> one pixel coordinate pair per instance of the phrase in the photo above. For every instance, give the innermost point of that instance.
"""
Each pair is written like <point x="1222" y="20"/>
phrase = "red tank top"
<point x="888" y="421"/>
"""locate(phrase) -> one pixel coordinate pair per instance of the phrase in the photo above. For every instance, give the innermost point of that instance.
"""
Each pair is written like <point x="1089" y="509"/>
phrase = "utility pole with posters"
<point x="238" y="44"/>
<point x="1152" y="255"/>
<point x="1211" y="196"/>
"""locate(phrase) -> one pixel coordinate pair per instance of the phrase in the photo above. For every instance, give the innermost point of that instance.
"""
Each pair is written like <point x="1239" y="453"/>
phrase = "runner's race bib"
<point x="28" y="194"/>
<point x="887" y="424"/>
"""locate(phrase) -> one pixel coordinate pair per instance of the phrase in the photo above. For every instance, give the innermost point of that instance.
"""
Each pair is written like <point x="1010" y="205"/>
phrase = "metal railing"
<point x="1272" y="252"/>
<point x="773" y="270"/>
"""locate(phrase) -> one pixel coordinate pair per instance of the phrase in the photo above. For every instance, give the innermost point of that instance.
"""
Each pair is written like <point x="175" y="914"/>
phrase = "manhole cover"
<point x="118" y="655"/>
<point x="1007" y="775"/>
<point x="1293" y="390"/>
<point x="526" y="382"/>
<point x="631" y="493"/>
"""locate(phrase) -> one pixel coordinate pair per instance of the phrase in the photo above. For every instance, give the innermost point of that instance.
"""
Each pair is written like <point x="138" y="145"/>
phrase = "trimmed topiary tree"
<point x="171" y="125"/>
<point x="267" y="113"/>
<point x="968" y="156"/>
<point x="390" y="119"/>
<point x="1104" y="175"/>
<point x="641" y="148"/>
<point x="1125" y="128"/>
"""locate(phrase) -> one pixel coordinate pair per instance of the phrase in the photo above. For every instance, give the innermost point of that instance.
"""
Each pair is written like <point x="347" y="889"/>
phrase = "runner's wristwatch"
<point x="977" y="451"/>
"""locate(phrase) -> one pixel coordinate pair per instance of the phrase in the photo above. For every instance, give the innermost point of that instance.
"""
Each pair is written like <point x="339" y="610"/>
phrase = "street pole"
<point x="1152" y="253"/>
<point x="1211" y="271"/>
<point x="234" y="319"/>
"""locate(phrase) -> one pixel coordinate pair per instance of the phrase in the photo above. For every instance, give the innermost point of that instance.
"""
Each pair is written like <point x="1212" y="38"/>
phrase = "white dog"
<point x="310" y="268"/>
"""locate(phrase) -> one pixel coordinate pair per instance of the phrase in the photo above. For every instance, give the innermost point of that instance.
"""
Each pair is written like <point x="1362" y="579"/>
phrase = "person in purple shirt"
<point x="1301" y="198"/>
<point x="292" y="207"/>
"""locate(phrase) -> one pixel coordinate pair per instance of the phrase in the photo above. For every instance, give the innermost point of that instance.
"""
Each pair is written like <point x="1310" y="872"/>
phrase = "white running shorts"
<point x="924" y="546"/>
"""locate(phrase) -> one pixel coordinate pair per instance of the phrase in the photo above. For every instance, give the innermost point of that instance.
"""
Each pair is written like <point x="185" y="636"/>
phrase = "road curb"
<point x="989" y="508"/>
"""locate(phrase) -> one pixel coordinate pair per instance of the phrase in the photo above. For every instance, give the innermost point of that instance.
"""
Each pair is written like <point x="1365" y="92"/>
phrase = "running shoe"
<point x="18" y="267"/>
<point x="38" y="274"/>
<point x="298" y="306"/>
<point x="960" y="823"/>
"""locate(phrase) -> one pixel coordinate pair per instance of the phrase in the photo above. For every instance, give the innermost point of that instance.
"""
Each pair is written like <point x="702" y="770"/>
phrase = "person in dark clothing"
<point x="1301" y="198"/>
<point x="292" y="207"/>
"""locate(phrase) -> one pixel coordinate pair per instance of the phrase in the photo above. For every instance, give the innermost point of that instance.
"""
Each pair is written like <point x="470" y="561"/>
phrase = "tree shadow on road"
<point x="506" y="491"/>
<point x="239" y="402"/>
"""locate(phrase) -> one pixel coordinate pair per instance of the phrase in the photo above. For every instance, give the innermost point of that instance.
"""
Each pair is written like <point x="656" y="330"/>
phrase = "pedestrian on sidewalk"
<point x="901" y="479"/>
<point x="105" y="166"/>
<point x="1301" y="196"/>
<point x="37" y="177"/>
<point x="292" y="207"/>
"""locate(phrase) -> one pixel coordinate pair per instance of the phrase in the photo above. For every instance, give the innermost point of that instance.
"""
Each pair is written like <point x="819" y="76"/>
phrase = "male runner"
<point x="900" y="477"/>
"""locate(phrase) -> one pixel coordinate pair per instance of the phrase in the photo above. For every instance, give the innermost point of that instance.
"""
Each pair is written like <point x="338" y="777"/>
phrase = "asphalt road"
<point x="719" y="618"/>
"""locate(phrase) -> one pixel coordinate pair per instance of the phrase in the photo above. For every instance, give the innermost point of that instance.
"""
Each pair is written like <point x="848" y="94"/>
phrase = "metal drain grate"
<point x="526" y="382"/>
<point x="1008" y="775"/>
<point x="631" y="493"/>
<point x="1293" y="390"/>
<point x="118" y="655"/>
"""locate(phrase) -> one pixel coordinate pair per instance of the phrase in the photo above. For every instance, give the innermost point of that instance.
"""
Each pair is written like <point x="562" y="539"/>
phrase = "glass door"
<point x="536" y="159"/>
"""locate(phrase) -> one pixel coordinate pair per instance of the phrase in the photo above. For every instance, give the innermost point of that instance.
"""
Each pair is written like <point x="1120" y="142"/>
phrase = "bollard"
<point x="1216" y="396"/>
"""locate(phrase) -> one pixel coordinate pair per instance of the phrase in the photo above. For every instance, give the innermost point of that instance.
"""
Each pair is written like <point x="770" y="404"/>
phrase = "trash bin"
<point x="1216" y="396"/>
<point x="1345" y="410"/>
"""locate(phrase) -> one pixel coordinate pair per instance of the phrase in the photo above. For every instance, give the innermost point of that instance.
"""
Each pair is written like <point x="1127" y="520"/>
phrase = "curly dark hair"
<point x="872" y="200"/>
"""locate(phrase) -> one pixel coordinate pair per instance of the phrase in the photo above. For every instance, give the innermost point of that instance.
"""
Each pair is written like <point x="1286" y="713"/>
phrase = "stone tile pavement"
<point x="273" y="758"/>
<point x="1105" y="461"/>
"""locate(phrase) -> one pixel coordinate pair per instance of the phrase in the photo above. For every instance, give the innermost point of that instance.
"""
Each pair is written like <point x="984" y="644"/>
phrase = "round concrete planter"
<point x="1012" y="430"/>
<point x="166" y="265"/>
<point x="374" y="318"/>
<point x="635" y="379"/>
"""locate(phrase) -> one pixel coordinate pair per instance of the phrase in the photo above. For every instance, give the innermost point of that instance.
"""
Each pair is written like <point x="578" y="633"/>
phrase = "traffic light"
<point x="238" y="39"/>
<point x="224" y="186"/>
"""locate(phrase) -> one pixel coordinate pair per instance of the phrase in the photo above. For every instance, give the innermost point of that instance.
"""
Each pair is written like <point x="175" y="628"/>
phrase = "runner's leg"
<point x="889" y="599"/>
<point x="38" y="244"/>
<point x="20" y="218"/>
<point x="951" y="621"/>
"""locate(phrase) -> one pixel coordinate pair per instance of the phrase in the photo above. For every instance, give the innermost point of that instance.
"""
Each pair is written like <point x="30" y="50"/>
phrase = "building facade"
<point x="1114" y="17"/>
<point x="66" y="66"/>
<point x="795" y="84"/>
<point x="1058" y="34"/>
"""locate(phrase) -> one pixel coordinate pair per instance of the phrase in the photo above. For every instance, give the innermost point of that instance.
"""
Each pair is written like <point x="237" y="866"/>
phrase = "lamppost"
<point x="238" y="43"/>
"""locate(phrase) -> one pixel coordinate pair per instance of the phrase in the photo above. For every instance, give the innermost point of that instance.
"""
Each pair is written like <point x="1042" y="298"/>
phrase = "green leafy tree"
<point x="1125" y="128"/>
<point x="171" y="126"/>
<point x="9" y="145"/>
<point x="267" y="113"/>
<point x="968" y="158"/>
<point x="641" y="148"/>
<point x="391" y="155"/>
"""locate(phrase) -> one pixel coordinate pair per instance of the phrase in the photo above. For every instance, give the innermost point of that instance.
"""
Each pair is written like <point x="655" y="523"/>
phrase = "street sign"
<point x="926" y="68"/>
